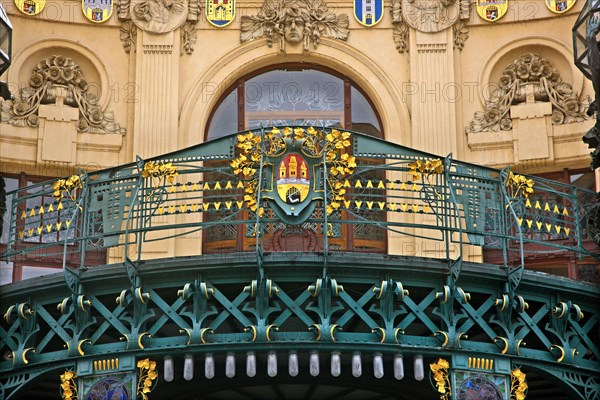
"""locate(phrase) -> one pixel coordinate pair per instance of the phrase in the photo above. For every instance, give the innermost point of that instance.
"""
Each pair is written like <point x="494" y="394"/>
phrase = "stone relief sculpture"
<point x="400" y="30"/>
<point x="128" y="34"/>
<point x="461" y="34"/>
<point x="158" y="16"/>
<point x="193" y="11"/>
<point x="434" y="15"/>
<point x="189" y="37"/>
<point x="295" y="21"/>
<point x="429" y="16"/>
<point x="58" y="77"/>
<point x="529" y="71"/>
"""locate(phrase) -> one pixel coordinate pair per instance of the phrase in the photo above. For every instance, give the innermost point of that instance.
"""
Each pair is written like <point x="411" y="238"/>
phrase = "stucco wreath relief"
<point x="58" y="79"/>
<point x="529" y="71"/>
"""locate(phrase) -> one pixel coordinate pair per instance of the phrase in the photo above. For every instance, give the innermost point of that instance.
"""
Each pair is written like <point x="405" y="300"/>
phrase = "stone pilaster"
<point x="157" y="72"/>
<point x="433" y="91"/>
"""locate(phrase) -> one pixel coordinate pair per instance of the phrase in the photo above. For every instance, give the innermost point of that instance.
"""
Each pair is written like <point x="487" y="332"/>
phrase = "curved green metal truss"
<point x="218" y="304"/>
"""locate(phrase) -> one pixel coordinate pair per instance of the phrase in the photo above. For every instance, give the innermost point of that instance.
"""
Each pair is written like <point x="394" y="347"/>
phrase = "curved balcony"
<point x="325" y="299"/>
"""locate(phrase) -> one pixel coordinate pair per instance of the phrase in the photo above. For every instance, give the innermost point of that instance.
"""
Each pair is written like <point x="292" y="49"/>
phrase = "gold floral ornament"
<point x="439" y="369"/>
<point x="340" y="165"/>
<point x="426" y="169"/>
<point x="518" y="385"/>
<point x="147" y="376"/>
<point x="519" y="184"/>
<point x="158" y="171"/>
<point x="67" y="188"/>
<point x="248" y="161"/>
<point x="68" y="387"/>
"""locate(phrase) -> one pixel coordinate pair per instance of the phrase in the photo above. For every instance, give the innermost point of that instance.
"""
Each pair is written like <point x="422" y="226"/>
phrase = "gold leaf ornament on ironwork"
<point x="426" y="169"/>
<point x="340" y="165"/>
<point x="68" y="387"/>
<point x="439" y="369"/>
<point x="519" y="184"/>
<point x="67" y="188"/>
<point x="518" y="385"/>
<point x="147" y="376"/>
<point x="158" y="170"/>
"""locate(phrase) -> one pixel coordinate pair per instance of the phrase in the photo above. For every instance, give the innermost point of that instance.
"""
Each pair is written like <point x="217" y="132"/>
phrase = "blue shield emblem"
<point x="368" y="12"/>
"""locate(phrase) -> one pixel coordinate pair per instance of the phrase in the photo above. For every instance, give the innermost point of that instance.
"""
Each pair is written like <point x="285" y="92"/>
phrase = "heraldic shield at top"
<point x="301" y="167"/>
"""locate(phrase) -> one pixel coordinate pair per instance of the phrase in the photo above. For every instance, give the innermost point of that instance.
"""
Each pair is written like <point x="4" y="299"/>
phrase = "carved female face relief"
<point x="294" y="30"/>
<point x="294" y="22"/>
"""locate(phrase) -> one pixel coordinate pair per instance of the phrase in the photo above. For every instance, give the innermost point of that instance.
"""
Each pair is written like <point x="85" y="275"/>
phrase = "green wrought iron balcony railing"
<point x="326" y="181"/>
<point x="339" y="186"/>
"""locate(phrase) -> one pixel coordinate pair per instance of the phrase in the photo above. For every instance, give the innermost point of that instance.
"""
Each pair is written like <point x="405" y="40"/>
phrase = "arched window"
<point x="295" y="94"/>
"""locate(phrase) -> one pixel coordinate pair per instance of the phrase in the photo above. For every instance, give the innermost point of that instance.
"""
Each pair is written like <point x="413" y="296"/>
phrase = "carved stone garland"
<point x="529" y="70"/>
<point x="53" y="78"/>
<point x="429" y="16"/>
<point x="294" y="21"/>
<point x="146" y="15"/>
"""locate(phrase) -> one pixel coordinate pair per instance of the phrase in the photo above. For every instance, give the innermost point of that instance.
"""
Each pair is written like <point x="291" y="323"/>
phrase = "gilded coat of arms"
<point x="559" y="6"/>
<point x="290" y="170"/>
<point x="30" y="7"/>
<point x="492" y="10"/>
<point x="220" y="13"/>
<point x="97" y="11"/>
